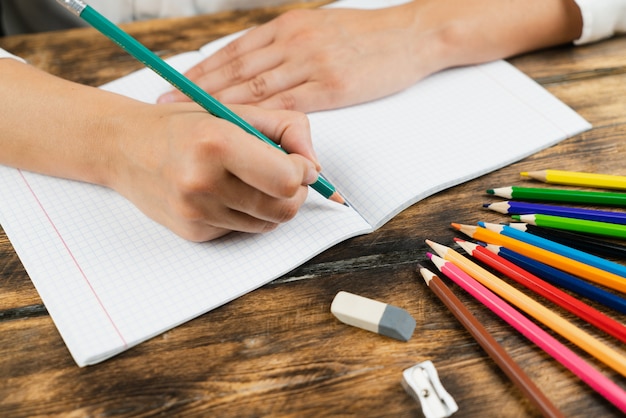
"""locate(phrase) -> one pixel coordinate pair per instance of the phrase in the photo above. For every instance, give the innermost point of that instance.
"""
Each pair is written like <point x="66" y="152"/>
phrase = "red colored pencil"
<point x="545" y="289"/>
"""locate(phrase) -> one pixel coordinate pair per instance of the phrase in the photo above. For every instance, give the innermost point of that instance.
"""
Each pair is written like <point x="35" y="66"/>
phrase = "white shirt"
<point x="601" y="18"/>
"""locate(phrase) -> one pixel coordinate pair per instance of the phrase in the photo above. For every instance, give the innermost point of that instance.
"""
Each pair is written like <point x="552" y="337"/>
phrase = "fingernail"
<point x="311" y="175"/>
<point x="166" y="98"/>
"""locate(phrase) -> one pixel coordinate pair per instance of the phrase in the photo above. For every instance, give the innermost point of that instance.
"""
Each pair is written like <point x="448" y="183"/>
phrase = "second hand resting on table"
<point x="198" y="175"/>
<point x="320" y="59"/>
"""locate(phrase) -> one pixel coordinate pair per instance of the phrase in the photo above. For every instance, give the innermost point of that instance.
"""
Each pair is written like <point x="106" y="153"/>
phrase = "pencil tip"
<point x="336" y="197"/>
<point x="524" y="174"/>
<point x="490" y="191"/>
<point x="456" y="226"/>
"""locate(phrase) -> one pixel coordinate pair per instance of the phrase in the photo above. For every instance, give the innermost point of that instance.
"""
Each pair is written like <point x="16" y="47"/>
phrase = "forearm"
<point x="56" y="127"/>
<point x="459" y="32"/>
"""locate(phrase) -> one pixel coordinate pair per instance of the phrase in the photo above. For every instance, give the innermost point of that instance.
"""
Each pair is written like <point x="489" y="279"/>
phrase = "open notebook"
<point x="112" y="278"/>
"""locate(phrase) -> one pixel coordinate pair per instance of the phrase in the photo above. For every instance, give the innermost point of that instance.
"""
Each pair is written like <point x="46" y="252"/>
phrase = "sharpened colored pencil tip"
<point x="524" y="174"/>
<point x="429" y="255"/>
<point x="490" y="191"/>
<point x="456" y="226"/>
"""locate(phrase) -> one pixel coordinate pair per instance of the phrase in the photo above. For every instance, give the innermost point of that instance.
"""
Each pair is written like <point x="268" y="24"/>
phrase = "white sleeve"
<point x="5" y="54"/>
<point x="601" y="19"/>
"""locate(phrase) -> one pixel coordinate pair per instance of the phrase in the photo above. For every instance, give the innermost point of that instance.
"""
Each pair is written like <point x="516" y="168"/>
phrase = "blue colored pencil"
<point x="561" y="278"/>
<point x="555" y="247"/>
<point x="512" y="207"/>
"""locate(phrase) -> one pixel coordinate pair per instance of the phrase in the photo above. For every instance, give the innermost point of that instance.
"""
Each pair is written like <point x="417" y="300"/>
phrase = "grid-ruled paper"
<point x="452" y="127"/>
<point x="111" y="278"/>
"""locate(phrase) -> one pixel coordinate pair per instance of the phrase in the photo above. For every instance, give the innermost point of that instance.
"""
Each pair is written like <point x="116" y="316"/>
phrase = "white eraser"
<point x="372" y="315"/>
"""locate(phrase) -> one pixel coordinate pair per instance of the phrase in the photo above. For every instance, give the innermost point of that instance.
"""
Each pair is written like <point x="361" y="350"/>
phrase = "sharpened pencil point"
<point x="440" y="249"/>
<point x="336" y="197"/>
<point x="490" y="191"/>
<point x="427" y="275"/>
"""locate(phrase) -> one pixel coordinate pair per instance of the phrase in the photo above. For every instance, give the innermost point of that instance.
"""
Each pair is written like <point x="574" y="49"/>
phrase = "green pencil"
<point x="179" y="81"/>
<point x="560" y="195"/>
<point x="573" y="224"/>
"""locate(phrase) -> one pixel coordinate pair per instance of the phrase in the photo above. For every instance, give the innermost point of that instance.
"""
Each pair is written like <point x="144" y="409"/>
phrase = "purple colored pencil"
<point x="512" y="207"/>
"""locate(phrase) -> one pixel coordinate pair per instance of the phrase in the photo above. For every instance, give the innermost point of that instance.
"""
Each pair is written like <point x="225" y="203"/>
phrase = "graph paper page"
<point x="112" y="278"/>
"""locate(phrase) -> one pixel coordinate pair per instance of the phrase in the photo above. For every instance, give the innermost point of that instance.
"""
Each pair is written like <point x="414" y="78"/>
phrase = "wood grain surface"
<point x="278" y="351"/>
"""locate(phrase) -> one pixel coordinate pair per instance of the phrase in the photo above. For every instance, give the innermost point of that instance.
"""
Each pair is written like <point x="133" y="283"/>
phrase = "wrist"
<point x="448" y="33"/>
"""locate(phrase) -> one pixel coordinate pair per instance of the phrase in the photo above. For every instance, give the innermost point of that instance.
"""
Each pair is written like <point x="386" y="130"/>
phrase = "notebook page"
<point x="447" y="129"/>
<point x="111" y="278"/>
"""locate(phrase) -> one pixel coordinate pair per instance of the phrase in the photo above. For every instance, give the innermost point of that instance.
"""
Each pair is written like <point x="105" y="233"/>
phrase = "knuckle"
<point x="233" y="71"/>
<point x="232" y="49"/>
<point x="287" y="211"/>
<point x="292" y="17"/>
<point x="287" y="101"/>
<point x="258" y="86"/>
<point x="185" y="211"/>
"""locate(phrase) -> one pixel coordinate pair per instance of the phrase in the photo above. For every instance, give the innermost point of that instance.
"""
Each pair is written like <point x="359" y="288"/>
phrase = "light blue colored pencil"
<point x="555" y="247"/>
<point x="179" y="81"/>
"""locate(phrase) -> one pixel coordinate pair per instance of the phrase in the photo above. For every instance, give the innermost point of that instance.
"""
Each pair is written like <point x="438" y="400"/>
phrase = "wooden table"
<point x="278" y="351"/>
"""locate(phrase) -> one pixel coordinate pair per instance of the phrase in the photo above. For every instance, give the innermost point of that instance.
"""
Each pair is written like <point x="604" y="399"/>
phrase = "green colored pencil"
<point x="560" y="195"/>
<point x="573" y="224"/>
<point x="178" y="80"/>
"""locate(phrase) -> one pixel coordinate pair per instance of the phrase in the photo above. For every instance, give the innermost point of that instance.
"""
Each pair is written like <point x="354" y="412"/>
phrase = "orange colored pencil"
<point x="569" y="265"/>
<point x="551" y="319"/>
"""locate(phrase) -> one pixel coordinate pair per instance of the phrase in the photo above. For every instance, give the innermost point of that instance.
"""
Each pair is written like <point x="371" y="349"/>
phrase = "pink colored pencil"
<point x="539" y="286"/>
<point x="596" y="380"/>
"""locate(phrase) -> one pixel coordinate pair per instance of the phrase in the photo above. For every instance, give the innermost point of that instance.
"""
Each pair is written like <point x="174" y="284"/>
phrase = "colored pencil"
<point x="555" y="247"/>
<point x="560" y="195"/>
<point x="539" y="286"/>
<point x="561" y="278"/>
<point x="575" y="178"/>
<point x="587" y="342"/>
<point x="511" y="207"/>
<point x="179" y="81"/>
<point x="583" y="242"/>
<point x="606" y="229"/>
<point x="497" y="353"/>
<point x="587" y="373"/>
<point x="574" y="267"/>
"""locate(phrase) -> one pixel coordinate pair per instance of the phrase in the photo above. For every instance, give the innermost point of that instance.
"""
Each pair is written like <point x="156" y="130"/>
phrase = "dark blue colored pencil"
<point x="512" y="207"/>
<point x="579" y="241"/>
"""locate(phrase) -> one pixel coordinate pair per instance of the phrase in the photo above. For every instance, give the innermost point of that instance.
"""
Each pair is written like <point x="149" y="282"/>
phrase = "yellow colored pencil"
<point x="575" y="178"/>
<point x="549" y="318"/>
<point x="555" y="260"/>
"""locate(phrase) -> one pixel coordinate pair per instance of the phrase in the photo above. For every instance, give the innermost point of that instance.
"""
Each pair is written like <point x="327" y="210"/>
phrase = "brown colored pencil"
<point x="489" y="344"/>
